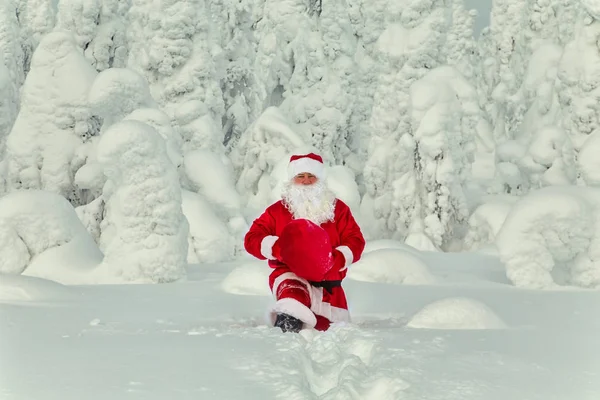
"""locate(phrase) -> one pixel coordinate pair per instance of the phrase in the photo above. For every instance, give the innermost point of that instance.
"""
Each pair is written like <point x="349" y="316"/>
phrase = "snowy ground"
<point x="200" y="340"/>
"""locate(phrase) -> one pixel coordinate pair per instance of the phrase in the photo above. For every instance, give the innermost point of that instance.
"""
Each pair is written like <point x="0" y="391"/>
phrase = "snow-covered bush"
<point x="55" y="120"/>
<point x="553" y="232"/>
<point x="487" y="220"/>
<point x="144" y="234"/>
<point x="40" y="235"/>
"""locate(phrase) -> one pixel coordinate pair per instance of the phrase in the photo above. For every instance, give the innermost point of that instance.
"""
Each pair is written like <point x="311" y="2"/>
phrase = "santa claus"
<point x="309" y="238"/>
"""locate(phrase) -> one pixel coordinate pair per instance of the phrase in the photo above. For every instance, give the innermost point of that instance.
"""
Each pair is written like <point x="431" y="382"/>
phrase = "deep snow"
<point x="196" y="339"/>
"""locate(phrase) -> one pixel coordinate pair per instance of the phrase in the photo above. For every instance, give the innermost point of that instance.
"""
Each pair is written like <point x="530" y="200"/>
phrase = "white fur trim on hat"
<point x="306" y="164"/>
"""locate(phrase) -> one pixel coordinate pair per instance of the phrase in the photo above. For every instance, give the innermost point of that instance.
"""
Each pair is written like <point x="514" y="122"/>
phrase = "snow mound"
<point x="15" y="288"/>
<point x="391" y="266"/>
<point x="373" y="245"/>
<point x="553" y="232"/>
<point x="456" y="313"/>
<point x="41" y="235"/>
<point x="251" y="278"/>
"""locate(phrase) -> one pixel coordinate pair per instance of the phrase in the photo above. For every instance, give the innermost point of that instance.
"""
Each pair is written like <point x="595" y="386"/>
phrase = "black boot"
<point x="287" y="323"/>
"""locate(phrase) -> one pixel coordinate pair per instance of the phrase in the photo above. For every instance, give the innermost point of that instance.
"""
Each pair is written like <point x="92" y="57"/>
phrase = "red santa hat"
<point x="311" y="163"/>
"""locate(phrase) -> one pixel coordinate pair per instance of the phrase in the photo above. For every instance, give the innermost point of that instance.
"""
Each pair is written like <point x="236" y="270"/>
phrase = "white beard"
<point x="313" y="202"/>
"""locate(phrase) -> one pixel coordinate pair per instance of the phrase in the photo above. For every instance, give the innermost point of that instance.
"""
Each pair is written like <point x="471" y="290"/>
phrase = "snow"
<point x="547" y="243"/>
<point x="247" y="279"/>
<point x="209" y="237"/>
<point x="486" y="221"/>
<point x="144" y="231"/>
<point x="24" y="289"/>
<point x="138" y="140"/>
<point x="197" y="339"/>
<point x="54" y="120"/>
<point x="391" y="266"/>
<point x="456" y="313"/>
<point x="588" y="162"/>
<point x="42" y="236"/>
<point x="117" y="92"/>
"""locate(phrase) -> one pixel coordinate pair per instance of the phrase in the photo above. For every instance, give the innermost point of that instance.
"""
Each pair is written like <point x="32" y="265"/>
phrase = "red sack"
<point x="305" y="248"/>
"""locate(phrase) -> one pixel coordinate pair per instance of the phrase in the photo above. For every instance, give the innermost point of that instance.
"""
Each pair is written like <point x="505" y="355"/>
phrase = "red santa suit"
<point x="317" y="304"/>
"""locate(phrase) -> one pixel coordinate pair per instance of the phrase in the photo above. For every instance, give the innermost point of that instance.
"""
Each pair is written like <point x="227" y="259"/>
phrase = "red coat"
<point x="347" y="244"/>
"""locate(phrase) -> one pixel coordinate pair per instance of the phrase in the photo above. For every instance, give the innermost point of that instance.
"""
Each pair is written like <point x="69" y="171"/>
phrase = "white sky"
<point x="483" y="7"/>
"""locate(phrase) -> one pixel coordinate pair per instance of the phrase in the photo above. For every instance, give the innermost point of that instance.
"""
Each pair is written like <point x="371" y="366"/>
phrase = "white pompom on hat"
<point x="308" y="163"/>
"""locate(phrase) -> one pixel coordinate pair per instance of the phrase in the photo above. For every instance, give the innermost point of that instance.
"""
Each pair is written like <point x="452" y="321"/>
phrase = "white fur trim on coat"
<point x="317" y="305"/>
<point x="266" y="247"/>
<point x="324" y="309"/>
<point x="306" y="164"/>
<point x="348" y="256"/>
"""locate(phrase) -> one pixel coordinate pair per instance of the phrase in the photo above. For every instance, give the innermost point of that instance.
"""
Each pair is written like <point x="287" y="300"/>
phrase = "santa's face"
<point x="309" y="198"/>
<point x="305" y="178"/>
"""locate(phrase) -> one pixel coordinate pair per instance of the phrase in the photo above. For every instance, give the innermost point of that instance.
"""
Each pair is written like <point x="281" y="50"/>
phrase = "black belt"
<point x="327" y="285"/>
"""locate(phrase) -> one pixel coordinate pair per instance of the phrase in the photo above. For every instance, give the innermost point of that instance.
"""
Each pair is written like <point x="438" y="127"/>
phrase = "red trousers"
<point x="315" y="306"/>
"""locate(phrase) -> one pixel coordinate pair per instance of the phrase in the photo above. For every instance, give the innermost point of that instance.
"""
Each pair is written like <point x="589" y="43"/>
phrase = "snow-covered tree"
<point x="542" y="239"/>
<point x="461" y="46"/>
<point x="118" y="94"/>
<point x="320" y="94"/>
<point x="520" y="58"/>
<point x="409" y="49"/>
<point x="260" y="158"/>
<point x="12" y="73"/>
<point x="99" y="29"/>
<point x="369" y="19"/>
<point x="579" y="74"/>
<point x="55" y="120"/>
<point x="171" y="44"/>
<point x="41" y="236"/>
<point x="144" y="233"/>
<point x="305" y="64"/>
<point x="36" y="19"/>
<point x="233" y="22"/>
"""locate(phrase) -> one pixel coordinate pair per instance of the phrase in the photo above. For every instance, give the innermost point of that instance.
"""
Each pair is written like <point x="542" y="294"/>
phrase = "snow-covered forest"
<point x="155" y="131"/>
<point x="140" y="139"/>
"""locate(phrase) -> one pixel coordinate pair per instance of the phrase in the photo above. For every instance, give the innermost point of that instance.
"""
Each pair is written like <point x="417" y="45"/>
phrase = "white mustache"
<point x="313" y="202"/>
